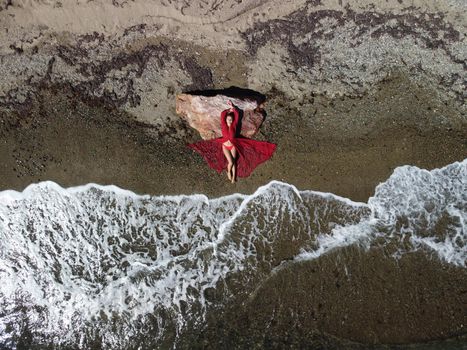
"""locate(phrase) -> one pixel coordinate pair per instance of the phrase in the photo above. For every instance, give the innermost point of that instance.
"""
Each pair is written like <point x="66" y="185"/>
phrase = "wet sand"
<point x="345" y="146"/>
<point x="352" y="297"/>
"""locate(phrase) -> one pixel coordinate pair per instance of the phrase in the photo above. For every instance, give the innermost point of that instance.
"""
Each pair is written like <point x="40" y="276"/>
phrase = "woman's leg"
<point x="234" y="166"/>
<point x="230" y="161"/>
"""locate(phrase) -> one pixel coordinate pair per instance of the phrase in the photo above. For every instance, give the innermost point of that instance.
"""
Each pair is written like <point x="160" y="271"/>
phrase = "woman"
<point x="238" y="155"/>
<point x="229" y="121"/>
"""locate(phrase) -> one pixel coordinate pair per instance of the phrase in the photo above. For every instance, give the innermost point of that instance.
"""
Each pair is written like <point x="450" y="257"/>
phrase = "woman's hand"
<point x="231" y="105"/>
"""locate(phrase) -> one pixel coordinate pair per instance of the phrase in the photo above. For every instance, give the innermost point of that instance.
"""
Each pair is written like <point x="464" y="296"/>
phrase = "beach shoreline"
<point x="347" y="146"/>
<point x="73" y="143"/>
<point x="353" y="91"/>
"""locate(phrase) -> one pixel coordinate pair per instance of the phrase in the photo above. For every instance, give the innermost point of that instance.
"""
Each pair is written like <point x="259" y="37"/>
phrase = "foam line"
<point x="75" y="254"/>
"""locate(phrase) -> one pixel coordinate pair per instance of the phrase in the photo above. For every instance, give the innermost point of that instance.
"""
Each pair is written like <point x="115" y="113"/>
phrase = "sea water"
<point x="100" y="262"/>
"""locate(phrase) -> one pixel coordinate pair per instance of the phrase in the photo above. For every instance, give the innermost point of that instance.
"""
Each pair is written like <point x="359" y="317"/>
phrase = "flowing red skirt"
<point x="250" y="153"/>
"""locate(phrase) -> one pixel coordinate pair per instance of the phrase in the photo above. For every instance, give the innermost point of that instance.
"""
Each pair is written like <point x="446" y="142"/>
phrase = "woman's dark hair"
<point x="229" y="114"/>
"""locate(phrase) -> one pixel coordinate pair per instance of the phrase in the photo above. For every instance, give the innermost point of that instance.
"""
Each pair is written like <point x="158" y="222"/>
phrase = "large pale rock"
<point x="203" y="114"/>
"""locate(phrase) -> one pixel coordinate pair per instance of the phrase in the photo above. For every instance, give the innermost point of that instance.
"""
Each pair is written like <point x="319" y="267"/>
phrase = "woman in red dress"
<point x="238" y="155"/>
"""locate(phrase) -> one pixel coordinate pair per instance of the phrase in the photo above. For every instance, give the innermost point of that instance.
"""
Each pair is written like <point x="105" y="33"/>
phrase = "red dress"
<point x="250" y="153"/>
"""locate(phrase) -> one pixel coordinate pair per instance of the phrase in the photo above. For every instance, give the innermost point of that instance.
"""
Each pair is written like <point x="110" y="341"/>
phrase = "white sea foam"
<point x="77" y="257"/>
<point x="99" y="252"/>
<point x="428" y="206"/>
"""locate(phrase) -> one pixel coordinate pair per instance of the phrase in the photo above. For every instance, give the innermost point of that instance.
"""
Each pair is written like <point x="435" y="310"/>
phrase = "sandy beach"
<point x="353" y="91"/>
<point x="346" y="146"/>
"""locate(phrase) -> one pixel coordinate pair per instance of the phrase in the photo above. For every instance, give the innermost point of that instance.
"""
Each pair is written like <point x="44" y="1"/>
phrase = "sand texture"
<point x="135" y="55"/>
<point x="353" y="90"/>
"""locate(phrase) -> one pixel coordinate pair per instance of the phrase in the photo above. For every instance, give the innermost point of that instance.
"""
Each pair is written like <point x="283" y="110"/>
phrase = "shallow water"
<point x="101" y="265"/>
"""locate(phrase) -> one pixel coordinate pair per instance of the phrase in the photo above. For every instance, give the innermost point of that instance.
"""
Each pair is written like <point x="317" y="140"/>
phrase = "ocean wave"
<point x="99" y="262"/>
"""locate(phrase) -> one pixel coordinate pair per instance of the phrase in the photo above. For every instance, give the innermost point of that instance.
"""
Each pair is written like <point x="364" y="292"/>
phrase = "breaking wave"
<point x="99" y="263"/>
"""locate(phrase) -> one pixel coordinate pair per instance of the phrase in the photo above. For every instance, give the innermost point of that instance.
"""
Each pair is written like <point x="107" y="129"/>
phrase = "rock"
<point x="203" y="113"/>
